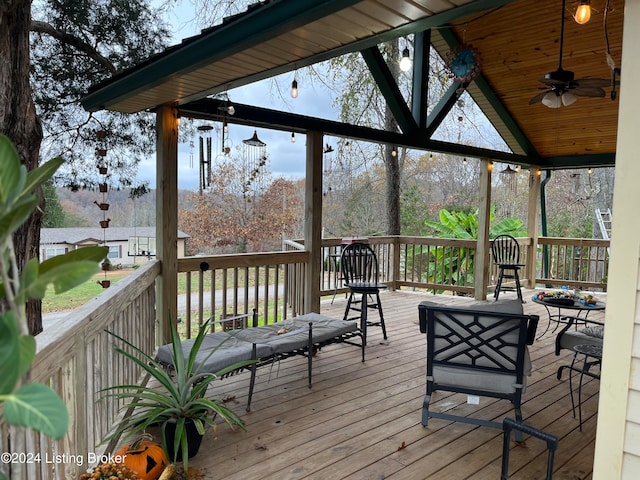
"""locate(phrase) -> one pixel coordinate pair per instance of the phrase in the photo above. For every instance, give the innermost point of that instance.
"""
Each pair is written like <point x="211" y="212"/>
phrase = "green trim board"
<point x="208" y="109"/>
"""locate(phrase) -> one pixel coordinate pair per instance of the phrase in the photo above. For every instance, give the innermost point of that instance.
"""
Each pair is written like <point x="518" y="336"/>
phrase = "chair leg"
<point x="379" y="305"/>
<point x="496" y="292"/>
<point x="364" y="306"/>
<point x="518" y="288"/>
<point x="346" y="310"/>
<point x="425" y="410"/>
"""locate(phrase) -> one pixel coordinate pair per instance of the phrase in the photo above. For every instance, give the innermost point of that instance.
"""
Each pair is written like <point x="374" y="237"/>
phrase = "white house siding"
<point x="617" y="453"/>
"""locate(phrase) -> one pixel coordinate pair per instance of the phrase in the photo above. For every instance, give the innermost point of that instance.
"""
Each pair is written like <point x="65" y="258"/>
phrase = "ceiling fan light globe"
<point x="568" y="98"/>
<point x="552" y="100"/>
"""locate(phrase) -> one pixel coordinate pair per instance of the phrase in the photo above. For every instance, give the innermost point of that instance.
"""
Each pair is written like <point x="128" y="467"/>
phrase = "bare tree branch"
<point x="79" y="44"/>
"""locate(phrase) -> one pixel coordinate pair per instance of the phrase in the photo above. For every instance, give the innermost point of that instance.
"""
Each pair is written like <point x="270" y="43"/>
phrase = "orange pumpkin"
<point x="144" y="457"/>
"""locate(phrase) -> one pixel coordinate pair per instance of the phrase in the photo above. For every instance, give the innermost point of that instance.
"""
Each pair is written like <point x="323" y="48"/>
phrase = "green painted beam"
<point x="389" y="89"/>
<point x="420" y="78"/>
<point x="208" y="109"/>
<point x="442" y="109"/>
<point x="579" y="161"/>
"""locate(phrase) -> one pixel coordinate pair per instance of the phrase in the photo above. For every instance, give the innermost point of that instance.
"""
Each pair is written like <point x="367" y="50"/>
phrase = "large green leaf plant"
<point x="457" y="263"/>
<point x="23" y="403"/>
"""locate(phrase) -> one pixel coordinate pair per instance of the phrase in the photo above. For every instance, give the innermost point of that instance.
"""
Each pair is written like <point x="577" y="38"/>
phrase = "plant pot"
<point x="104" y="283"/>
<point x="194" y="439"/>
<point x="106" y="266"/>
<point x="102" y="187"/>
<point x="102" y="170"/>
<point x="102" y="152"/>
<point x="105" y="223"/>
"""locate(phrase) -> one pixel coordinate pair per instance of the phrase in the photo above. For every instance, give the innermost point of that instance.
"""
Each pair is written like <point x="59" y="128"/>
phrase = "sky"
<point x="285" y="159"/>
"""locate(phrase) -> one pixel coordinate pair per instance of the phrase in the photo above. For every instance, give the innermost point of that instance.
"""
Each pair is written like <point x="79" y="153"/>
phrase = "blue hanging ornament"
<point x="464" y="63"/>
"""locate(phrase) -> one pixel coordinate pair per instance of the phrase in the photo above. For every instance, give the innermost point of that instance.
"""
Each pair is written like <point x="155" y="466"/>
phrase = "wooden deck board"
<point x="362" y="420"/>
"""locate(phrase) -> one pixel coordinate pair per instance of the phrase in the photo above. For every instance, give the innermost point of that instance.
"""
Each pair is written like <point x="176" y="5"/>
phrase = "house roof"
<point x="517" y="40"/>
<point x="77" y="236"/>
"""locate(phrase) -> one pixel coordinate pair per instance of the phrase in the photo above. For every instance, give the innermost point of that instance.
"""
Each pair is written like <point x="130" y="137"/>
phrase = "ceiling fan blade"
<point x="593" y="82"/>
<point x="588" y="91"/>
<point x="551" y="81"/>
<point x="538" y="97"/>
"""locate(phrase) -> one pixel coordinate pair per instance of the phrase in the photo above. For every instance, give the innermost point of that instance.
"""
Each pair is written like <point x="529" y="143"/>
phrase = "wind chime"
<point x="101" y="153"/>
<point x="205" y="156"/>
<point x="510" y="179"/>
<point x="254" y="160"/>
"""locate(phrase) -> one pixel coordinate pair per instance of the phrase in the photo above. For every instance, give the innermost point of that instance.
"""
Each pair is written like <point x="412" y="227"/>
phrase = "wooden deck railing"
<point x="229" y="285"/>
<point x="77" y="359"/>
<point x="574" y="262"/>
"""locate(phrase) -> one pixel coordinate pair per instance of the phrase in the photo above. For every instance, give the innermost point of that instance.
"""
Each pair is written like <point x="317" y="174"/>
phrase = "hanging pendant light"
<point x="405" y="61"/>
<point x="583" y="12"/>
<point x="294" y="89"/>
<point x="293" y="137"/>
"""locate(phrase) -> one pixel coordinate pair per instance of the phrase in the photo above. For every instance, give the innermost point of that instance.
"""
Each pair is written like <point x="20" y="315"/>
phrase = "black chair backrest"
<point x="359" y="263"/>
<point x="484" y="341"/>
<point x="505" y="250"/>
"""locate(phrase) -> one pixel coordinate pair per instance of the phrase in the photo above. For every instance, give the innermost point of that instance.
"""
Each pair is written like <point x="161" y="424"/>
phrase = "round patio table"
<point x="576" y="309"/>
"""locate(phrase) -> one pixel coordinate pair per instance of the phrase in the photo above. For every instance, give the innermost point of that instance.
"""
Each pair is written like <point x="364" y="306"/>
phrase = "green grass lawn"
<point x="80" y="295"/>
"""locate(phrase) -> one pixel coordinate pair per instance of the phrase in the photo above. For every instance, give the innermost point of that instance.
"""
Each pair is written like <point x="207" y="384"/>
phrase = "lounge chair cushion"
<point x="296" y="332"/>
<point x="227" y="348"/>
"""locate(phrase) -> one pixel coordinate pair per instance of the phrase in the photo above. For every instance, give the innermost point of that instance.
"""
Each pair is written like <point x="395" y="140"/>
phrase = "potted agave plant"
<point x="172" y="400"/>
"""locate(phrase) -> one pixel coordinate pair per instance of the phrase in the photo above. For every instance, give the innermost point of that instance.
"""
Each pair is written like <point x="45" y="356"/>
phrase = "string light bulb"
<point x="405" y="61"/>
<point x="293" y="137"/>
<point x="590" y="171"/>
<point x="294" y="89"/>
<point x="225" y="127"/>
<point x="583" y="12"/>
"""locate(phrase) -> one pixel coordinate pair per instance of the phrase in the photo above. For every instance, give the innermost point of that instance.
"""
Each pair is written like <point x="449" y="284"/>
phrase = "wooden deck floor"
<point x="362" y="421"/>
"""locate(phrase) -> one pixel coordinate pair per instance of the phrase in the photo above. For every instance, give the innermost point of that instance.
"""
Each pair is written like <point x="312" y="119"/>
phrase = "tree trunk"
<point x="391" y="161"/>
<point x="19" y="122"/>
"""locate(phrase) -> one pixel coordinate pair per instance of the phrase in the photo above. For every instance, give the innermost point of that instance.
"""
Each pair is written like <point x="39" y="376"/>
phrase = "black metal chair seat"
<point x="359" y="266"/>
<point x="506" y="256"/>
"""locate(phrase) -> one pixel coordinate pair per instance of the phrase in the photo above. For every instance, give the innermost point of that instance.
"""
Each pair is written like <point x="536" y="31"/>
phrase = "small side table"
<point x="592" y="356"/>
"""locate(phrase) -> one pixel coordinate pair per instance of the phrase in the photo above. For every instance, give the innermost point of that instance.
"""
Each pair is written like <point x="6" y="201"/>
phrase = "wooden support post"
<point x="166" y="221"/>
<point x="532" y="225"/>
<point x="313" y="221"/>
<point x="481" y="262"/>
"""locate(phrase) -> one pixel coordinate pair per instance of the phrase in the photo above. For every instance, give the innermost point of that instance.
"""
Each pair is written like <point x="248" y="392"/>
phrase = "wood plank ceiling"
<point x="519" y="43"/>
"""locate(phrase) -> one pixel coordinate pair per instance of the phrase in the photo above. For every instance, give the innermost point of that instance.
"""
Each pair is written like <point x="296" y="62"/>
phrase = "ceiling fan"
<point x="563" y="88"/>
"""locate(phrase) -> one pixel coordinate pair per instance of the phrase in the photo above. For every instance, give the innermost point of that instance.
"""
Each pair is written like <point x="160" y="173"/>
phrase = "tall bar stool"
<point x="359" y="266"/>
<point x="506" y="256"/>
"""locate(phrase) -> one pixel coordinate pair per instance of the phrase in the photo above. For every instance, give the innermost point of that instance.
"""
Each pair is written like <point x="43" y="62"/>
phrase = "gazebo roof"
<point x="518" y="42"/>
